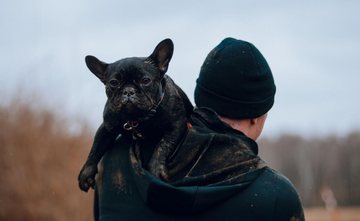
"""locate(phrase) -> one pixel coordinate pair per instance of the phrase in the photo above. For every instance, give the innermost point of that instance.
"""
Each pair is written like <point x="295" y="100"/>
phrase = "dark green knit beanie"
<point x="235" y="81"/>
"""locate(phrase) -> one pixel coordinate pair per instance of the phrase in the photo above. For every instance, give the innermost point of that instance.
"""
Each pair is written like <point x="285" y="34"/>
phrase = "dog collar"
<point x="151" y="113"/>
<point x="131" y="125"/>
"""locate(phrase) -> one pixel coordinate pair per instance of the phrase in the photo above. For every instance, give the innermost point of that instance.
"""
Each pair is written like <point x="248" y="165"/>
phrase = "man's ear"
<point x="97" y="67"/>
<point x="254" y="121"/>
<point x="162" y="55"/>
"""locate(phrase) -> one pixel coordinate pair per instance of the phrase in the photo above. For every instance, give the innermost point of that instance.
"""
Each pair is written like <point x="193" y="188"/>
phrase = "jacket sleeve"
<point x="288" y="206"/>
<point x="96" y="205"/>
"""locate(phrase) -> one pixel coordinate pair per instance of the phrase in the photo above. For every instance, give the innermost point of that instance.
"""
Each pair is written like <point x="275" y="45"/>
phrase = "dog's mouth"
<point x="131" y="108"/>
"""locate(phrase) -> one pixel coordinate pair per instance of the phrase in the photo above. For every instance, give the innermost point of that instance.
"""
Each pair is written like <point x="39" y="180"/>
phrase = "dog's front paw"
<point x="159" y="170"/>
<point x="87" y="177"/>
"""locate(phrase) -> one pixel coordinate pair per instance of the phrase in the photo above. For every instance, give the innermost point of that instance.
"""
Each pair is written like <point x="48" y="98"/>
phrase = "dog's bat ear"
<point x="163" y="54"/>
<point x="97" y="67"/>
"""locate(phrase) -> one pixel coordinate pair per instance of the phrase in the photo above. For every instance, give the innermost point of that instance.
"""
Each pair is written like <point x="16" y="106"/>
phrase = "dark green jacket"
<point x="215" y="174"/>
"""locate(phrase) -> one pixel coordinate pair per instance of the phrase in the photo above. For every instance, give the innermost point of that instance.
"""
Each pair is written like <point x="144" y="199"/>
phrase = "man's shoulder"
<point x="276" y="181"/>
<point x="280" y="185"/>
<point x="271" y="196"/>
<point x="276" y="186"/>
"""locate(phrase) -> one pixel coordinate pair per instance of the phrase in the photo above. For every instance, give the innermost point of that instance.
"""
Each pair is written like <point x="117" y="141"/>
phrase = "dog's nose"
<point x="129" y="91"/>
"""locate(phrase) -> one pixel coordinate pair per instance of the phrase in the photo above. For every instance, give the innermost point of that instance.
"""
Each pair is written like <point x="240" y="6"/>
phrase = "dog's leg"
<point x="157" y="164"/>
<point x="137" y="145"/>
<point x="102" y="141"/>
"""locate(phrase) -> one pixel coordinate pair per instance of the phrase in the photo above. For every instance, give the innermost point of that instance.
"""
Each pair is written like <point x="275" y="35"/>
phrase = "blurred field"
<point x="40" y="160"/>
<point x="321" y="214"/>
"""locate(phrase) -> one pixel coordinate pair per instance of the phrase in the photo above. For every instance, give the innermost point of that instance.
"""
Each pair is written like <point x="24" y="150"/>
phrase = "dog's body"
<point x="143" y="103"/>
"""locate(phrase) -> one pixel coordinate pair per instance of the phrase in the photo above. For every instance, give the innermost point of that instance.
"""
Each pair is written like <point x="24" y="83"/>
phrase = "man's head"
<point x="235" y="81"/>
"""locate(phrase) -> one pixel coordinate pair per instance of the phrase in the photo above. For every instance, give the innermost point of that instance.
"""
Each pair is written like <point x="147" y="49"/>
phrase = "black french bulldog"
<point x="143" y="103"/>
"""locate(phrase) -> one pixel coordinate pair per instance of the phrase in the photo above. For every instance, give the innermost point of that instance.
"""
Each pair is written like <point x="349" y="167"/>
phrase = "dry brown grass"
<point x="321" y="214"/>
<point x="40" y="160"/>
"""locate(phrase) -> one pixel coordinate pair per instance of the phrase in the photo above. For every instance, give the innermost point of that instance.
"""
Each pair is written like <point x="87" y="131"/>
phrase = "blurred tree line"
<point x="40" y="160"/>
<point x="314" y="163"/>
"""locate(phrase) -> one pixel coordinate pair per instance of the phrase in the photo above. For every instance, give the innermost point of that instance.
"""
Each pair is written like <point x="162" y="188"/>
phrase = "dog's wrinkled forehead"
<point x="132" y="68"/>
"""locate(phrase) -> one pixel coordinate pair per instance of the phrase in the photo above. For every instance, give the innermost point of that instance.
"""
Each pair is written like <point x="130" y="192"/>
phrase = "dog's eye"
<point x="145" y="80"/>
<point x="114" y="83"/>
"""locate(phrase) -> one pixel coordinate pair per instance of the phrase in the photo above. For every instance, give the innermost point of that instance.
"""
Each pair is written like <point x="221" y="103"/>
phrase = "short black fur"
<point x="143" y="103"/>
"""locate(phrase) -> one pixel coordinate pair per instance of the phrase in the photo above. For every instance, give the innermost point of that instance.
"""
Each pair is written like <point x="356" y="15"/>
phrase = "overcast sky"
<point x="312" y="47"/>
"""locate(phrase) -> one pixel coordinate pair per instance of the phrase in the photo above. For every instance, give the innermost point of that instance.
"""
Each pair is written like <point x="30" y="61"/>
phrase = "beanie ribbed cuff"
<point x="232" y="108"/>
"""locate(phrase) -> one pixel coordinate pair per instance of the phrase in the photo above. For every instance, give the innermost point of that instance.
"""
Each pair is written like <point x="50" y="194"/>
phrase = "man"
<point x="215" y="174"/>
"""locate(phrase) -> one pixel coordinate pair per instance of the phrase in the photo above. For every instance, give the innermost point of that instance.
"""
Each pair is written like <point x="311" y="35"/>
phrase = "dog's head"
<point x="134" y="85"/>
